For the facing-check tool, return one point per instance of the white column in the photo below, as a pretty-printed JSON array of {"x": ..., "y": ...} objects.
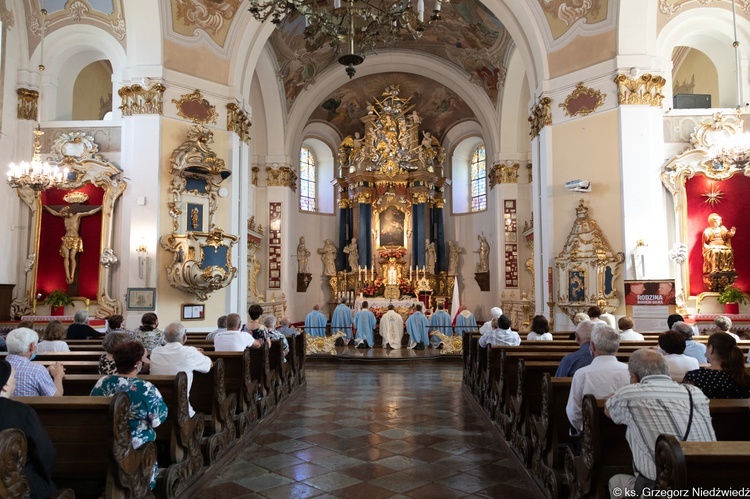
[
  {"x": 544, "y": 216},
  {"x": 239, "y": 162}
]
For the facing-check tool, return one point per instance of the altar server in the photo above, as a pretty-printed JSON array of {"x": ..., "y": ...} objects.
[
  {"x": 392, "y": 328},
  {"x": 364, "y": 322},
  {"x": 465, "y": 322},
  {"x": 342, "y": 321},
  {"x": 416, "y": 327},
  {"x": 440, "y": 321},
  {"x": 315, "y": 323}
]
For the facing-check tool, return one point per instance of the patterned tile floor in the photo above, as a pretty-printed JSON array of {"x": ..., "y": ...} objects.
[{"x": 375, "y": 431}]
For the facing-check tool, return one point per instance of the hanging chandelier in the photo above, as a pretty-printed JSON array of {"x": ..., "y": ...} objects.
[
  {"x": 357, "y": 25},
  {"x": 37, "y": 175}
]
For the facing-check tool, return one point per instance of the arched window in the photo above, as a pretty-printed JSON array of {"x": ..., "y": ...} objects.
[
  {"x": 307, "y": 179},
  {"x": 478, "y": 180}
]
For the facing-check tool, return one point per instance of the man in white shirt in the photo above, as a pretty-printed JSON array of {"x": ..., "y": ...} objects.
[
  {"x": 603, "y": 377},
  {"x": 626, "y": 330},
  {"x": 500, "y": 335},
  {"x": 175, "y": 357},
  {"x": 672, "y": 346},
  {"x": 495, "y": 312},
  {"x": 391, "y": 328},
  {"x": 234, "y": 340}
]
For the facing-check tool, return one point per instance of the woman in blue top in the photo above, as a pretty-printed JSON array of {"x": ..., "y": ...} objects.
[{"x": 147, "y": 407}]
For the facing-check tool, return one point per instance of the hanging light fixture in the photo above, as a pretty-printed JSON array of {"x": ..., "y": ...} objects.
[
  {"x": 36, "y": 174},
  {"x": 354, "y": 28}
]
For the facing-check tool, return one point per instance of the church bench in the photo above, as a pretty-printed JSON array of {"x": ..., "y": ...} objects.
[
  {"x": 180, "y": 433},
  {"x": 90, "y": 355},
  {"x": 260, "y": 374},
  {"x": 238, "y": 380},
  {"x": 94, "y": 446},
  {"x": 282, "y": 373},
  {"x": 684, "y": 465},
  {"x": 605, "y": 452},
  {"x": 550, "y": 436},
  {"x": 209, "y": 396},
  {"x": 75, "y": 366}
]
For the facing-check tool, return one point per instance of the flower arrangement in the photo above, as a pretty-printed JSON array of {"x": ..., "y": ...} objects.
[
  {"x": 405, "y": 287},
  {"x": 374, "y": 289},
  {"x": 386, "y": 254}
]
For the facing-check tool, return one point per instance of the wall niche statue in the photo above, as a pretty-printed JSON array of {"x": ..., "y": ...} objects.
[{"x": 201, "y": 252}]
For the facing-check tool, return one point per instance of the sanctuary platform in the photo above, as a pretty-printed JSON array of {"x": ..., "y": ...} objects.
[{"x": 383, "y": 355}]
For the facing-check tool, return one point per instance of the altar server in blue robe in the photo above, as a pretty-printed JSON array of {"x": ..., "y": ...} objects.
[
  {"x": 364, "y": 322},
  {"x": 440, "y": 321},
  {"x": 315, "y": 322},
  {"x": 416, "y": 327},
  {"x": 342, "y": 321},
  {"x": 465, "y": 322}
]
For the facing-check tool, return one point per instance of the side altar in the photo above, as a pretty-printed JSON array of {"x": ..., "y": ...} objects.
[{"x": 390, "y": 182}]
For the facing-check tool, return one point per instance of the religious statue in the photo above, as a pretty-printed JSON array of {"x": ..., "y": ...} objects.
[
  {"x": 353, "y": 251},
  {"x": 302, "y": 255},
  {"x": 718, "y": 255},
  {"x": 72, "y": 243},
  {"x": 328, "y": 255},
  {"x": 453, "y": 251},
  {"x": 430, "y": 257},
  {"x": 194, "y": 219},
  {"x": 484, "y": 254}
]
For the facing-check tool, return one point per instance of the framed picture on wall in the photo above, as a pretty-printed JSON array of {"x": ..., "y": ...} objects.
[
  {"x": 193, "y": 312},
  {"x": 141, "y": 299}
]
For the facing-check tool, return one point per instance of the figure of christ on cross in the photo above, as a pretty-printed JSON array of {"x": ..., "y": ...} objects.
[{"x": 72, "y": 243}]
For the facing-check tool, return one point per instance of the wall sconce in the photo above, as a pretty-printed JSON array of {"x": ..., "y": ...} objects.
[
  {"x": 144, "y": 263},
  {"x": 639, "y": 258}
]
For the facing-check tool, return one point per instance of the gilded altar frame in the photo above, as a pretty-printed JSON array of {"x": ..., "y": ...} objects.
[
  {"x": 78, "y": 152},
  {"x": 699, "y": 159}
]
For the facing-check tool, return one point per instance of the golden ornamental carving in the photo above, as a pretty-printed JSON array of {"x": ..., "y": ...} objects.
[
  {"x": 208, "y": 15},
  {"x": 363, "y": 197},
  {"x": 587, "y": 268},
  {"x": 140, "y": 100},
  {"x": 582, "y": 101},
  {"x": 238, "y": 122},
  {"x": 420, "y": 197},
  {"x": 391, "y": 144},
  {"x": 196, "y": 108},
  {"x": 530, "y": 172},
  {"x": 541, "y": 116},
  {"x": 439, "y": 203},
  {"x": 283, "y": 176},
  {"x": 27, "y": 103},
  {"x": 255, "y": 171},
  {"x": 344, "y": 203},
  {"x": 644, "y": 90},
  {"x": 501, "y": 173},
  {"x": 76, "y": 197},
  {"x": 253, "y": 228},
  {"x": 75, "y": 146}
]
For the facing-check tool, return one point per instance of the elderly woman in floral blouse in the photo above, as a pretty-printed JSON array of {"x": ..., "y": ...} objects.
[
  {"x": 148, "y": 333},
  {"x": 147, "y": 407}
]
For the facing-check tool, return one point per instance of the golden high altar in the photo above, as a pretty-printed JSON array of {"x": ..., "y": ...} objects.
[{"x": 391, "y": 185}]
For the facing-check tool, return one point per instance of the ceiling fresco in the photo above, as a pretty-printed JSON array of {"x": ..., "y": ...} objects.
[
  {"x": 212, "y": 16},
  {"x": 563, "y": 14},
  {"x": 438, "y": 107},
  {"x": 469, "y": 36}
]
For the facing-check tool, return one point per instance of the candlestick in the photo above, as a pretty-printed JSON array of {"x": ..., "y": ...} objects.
[{"x": 410, "y": 273}]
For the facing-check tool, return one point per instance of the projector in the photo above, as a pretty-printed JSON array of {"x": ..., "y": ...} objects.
[{"x": 578, "y": 186}]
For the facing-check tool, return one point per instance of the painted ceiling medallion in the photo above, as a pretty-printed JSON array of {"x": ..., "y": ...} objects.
[
  {"x": 196, "y": 108},
  {"x": 583, "y": 101},
  {"x": 714, "y": 196}
]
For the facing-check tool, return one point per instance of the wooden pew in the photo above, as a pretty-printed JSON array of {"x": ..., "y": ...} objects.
[
  {"x": 684, "y": 465},
  {"x": 209, "y": 396},
  {"x": 238, "y": 380},
  {"x": 94, "y": 445},
  {"x": 13, "y": 481},
  {"x": 260, "y": 372}
]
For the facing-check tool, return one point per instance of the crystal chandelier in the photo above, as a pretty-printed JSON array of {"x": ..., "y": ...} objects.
[
  {"x": 37, "y": 175},
  {"x": 359, "y": 25}
]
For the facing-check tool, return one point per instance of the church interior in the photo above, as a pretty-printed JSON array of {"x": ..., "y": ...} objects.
[{"x": 542, "y": 156}]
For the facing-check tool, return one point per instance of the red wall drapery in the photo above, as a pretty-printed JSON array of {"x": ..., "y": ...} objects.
[
  {"x": 733, "y": 209},
  {"x": 50, "y": 271}
]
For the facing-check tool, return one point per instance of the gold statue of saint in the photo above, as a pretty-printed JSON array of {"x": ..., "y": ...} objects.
[
  {"x": 194, "y": 218},
  {"x": 718, "y": 255}
]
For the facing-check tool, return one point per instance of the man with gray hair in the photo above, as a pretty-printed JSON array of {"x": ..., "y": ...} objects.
[
  {"x": 221, "y": 326},
  {"x": 603, "y": 377},
  {"x": 285, "y": 328},
  {"x": 723, "y": 325},
  {"x": 692, "y": 348},
  {"x": 581, "y": 357},
  {"x": 175, "y": 357},
  {"x": 80, "y": 329},
  {"x": 32, "y": 380},
  {"x": 652, "y": 405}
]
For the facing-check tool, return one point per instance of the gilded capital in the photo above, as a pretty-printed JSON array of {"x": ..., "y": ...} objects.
[
  {"x": 282, "y": 176},
  {"x": 644, "y": 90},
  {"x": 140, "y": 100},
  {"x": 501, "y": 173},
  {"x": 238, "y": 122},
  {"x": 541, "y": 116},
  {"x": 27, "y": 103},
  {"x": 255, "y": 171}
]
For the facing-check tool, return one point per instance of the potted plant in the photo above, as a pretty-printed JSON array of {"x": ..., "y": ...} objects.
[
  {"x": 732, "y": 297},
  {"x": 58, "y": 300}
]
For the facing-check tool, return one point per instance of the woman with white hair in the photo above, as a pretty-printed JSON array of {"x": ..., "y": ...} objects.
[
  {"x": 80, "y": 329},
  {"x": 723, "y": 325},
  {"x": 269, "y": 321},
  {"x": 33, "y": 380}
]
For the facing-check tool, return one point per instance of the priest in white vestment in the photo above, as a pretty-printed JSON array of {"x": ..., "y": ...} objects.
[{"x": 391, "y": 328}]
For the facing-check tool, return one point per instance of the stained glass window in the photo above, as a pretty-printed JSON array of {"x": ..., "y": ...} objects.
[
  {"x": 307, "y": 179},
  {"x": 478, "y": 180}
]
